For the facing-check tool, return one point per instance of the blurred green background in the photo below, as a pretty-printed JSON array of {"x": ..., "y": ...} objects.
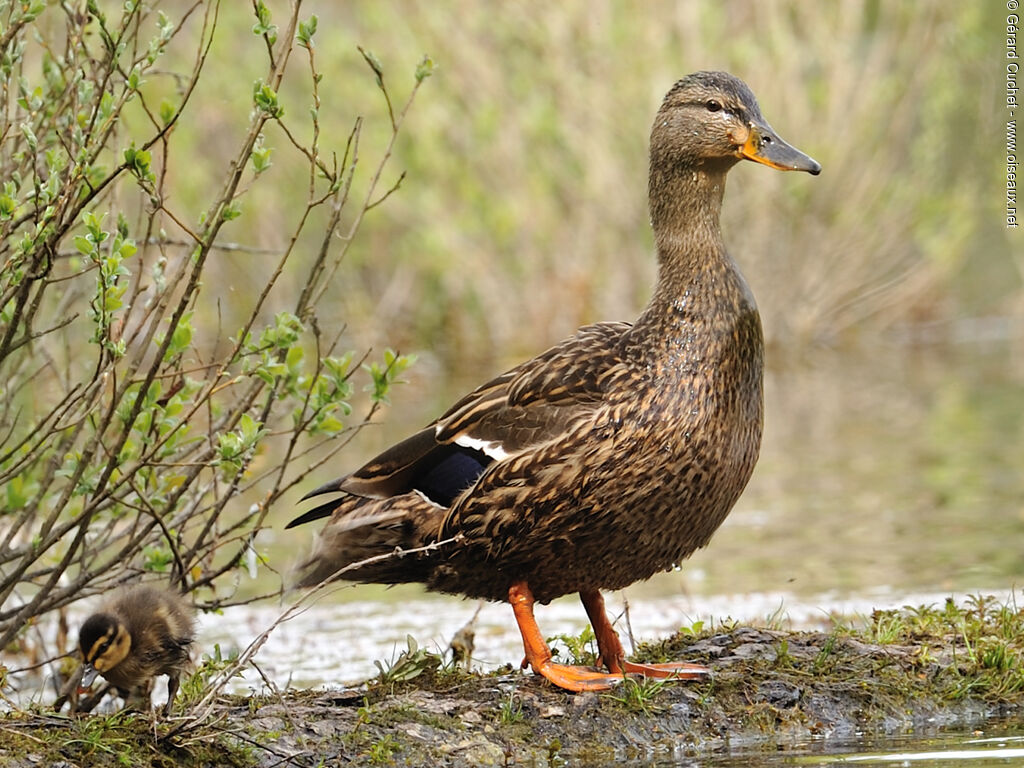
[
  {"x": 524, "y": 212},
  {"x": 890, "y": 290}
]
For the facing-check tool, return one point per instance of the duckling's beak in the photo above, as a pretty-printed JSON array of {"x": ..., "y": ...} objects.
[
  {"x": 763, "y": 145},
  {"x": 89, "y": 673}
]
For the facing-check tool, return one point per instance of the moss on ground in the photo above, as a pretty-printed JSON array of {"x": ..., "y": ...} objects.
[
  {"x": 122, "y": 739},
  {"x": 900, "y": 669}
]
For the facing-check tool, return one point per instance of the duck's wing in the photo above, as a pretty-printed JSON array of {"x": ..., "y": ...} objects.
[
  {"x": 533, "y": 402},
  {"x": 528, "y": 405}
]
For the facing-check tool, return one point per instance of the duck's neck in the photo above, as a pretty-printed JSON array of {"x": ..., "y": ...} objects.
[
  {"x": 685, "y": 208},
  {"x": 702, "y": 313}
]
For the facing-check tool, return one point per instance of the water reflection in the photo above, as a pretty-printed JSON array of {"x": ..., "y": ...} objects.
[
  {"x": 942, "y": 749},
  {"x": 946, "y": 750}
]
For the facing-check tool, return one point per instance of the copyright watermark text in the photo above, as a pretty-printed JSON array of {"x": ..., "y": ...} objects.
[{"x": 1013, "y": 106}]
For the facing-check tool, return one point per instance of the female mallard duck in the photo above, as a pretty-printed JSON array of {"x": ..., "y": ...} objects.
[
  {"x": 613, "y": 455},
  {"x": 139, "y": 634}
]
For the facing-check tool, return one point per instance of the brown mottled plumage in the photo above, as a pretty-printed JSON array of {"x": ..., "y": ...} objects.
[
  {"x": 611, "y": 456},
  {"x": 140, "y": 633}
]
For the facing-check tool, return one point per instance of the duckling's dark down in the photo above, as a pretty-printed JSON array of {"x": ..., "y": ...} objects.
[
  {"x": 139, "y": 634},
  {"x": 611, "y": 456}
]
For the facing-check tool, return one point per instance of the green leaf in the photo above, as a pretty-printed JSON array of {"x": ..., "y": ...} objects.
[
  {"x": 330, "y": 425},
  {"x": 229, "y": 446},
  {"x": 375, "y": 65},
  {"x": 260, "y": 156},
  {"x": 84, "y": 244},
  {"x": 424, "y": 69},
  {"x": 167, "y": 111},
  {"x": 263, "y": 25},
  {"x": 306, "y": 31},
  {"x": 137, "y": 161},
  {"x": 94, "y": 225},
  {"x": 30, "y": 136},
  {"x": 19, "y": 492},
  {"x": 383, "y": 376},
  {"x": 250, "y": 429},
  {"x": 164, "y": 25},
  {"x": 181, "y": 337},
  {"x": 156, "y": 558},
  {"x": 265, "y": 99},
  {"x": 232, "y": 211}
]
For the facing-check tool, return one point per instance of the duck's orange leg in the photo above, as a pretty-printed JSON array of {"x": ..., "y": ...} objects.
[
  {"x": 538, "y": 655},
  {"x": 612, "y": 655}
]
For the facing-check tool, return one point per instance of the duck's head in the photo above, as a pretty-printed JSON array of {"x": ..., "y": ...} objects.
[
  {"x": 712, "y": 120},
  {"x": 104, "y": 642}
]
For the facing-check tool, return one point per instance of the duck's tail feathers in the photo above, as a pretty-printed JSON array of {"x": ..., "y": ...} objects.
[
  {"x": 323, "y": 510},
  {"x": 371, "y": 543},
  {"x": 334, "y": 486}
]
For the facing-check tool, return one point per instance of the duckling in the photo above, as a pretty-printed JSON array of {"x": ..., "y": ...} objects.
[
  {"x": 140, "y": 633},
  {"x": 463, "y": 642}
]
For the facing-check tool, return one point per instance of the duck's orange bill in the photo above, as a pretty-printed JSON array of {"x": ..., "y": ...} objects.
[{"x": 763, "y": 146}]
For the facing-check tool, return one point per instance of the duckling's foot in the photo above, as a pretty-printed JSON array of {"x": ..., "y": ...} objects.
[
  {"x": 172, "y": 689},
  {"x": 538, "y": 655}
]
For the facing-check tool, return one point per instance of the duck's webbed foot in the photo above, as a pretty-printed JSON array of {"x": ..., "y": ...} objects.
[
  {"x": 677, "y": 670},
  {"x": 613, "y": 656},
  {"x": 538, "y": 655}
]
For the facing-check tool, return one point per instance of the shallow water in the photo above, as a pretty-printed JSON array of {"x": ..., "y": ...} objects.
[
  {"x": 997, "y": 747},
  {"x": 334, "y": 644}
]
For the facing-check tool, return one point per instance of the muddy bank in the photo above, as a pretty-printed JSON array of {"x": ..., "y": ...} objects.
[{"x": 769, "y": 688}]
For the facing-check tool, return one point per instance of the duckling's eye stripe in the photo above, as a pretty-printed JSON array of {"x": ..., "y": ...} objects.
[{"x": 97, "y": 650}]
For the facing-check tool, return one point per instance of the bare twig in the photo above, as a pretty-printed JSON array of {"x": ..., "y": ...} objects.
[
  {"x": 205, "y": 706},
  {"x": 132, "y": 422}
]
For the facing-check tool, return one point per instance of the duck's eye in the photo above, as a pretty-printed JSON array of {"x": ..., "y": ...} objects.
[{"x": 713, "y": 106}]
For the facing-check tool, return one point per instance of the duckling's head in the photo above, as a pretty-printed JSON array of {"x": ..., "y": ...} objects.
[
  {"x": 712, "y": 120},
  {"x": 104, "y": 642}
]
